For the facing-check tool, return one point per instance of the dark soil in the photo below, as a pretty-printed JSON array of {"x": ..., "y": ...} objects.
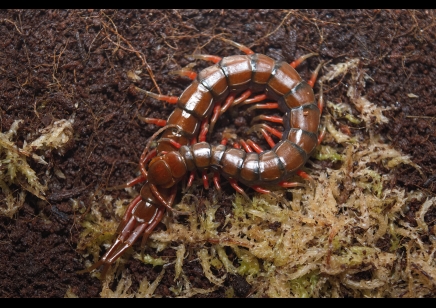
[{"x": 56, "y": 64}]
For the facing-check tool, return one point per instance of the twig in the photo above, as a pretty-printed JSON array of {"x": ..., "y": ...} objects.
[{"x": 139, "y": 54}]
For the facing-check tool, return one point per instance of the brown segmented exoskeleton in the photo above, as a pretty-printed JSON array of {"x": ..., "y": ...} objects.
[{"x": 182, "y": 147}]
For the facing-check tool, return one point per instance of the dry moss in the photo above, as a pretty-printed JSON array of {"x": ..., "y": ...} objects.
[
  {"x": 14, "y": 168},
  {"x": 327, "y": 240}
]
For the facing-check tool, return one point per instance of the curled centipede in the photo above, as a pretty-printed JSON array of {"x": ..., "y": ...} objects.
[{"x": 182, "y": 147}]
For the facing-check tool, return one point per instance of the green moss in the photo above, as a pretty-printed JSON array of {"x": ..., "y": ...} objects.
[
  {"x": 304, "y": 286},
  {"x": 326, "y": 152},
  {"x": 147, "y": 259}
]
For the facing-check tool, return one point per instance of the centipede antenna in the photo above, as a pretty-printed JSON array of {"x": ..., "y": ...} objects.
[
  {"x": 157, "y": 134},
  {"x": 170, "y": 141}
]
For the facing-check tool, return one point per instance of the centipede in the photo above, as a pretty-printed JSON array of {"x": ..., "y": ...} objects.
[{"x": 181, "y": 148}]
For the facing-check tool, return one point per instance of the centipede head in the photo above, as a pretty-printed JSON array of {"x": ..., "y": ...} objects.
[{"x": 167, "y": 169}]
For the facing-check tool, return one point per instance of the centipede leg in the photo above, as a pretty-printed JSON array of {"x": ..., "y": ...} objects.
[
  {"x": 321, "y": 135},
  {"x": 216, "y": 180},
  {"x": 267, "y": 118},
  {"x": 254, "y": 146},
  {"x": 215, "y": 116},
  {"x": 205, "y": 179},
  {"x": 245, "y": 146},
  {"x": 264, "y": 106},
  {"x": 203, "y": 130},
  {"x": 241, "y": 47},
  {"x": 321, "y": 100},
  {"x": 155, "y": 121},
  {"x": 211, "y": 58},
  {"x": 268, "y": 139},
  {"x": 229, "y": 101},
  {"x": 191, "y": 179},
  {"x": 166, "y": 98},
  {"x": 301, "y": 59},
  {"x": 242, "y": 97},
  {"x": 255, "y": 99},
  {"x": 185, "y": 72},
  {"x": 312, "y": 80},
  {"x": 260, "y": 189},
  {"x": 236, "y": 187}
]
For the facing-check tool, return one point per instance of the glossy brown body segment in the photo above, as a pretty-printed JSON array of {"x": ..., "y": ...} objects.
[
  {"x": 233, "y": 74},
  {"x": 174, "y": 157}
]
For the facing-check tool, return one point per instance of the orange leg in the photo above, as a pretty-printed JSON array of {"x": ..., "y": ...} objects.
[
  {"x": 254, "y": 146},
  {"x": 245, "y": 146},
  {"x": 184, "y": 72},
  {"x": 264, "y": 106},
  {"x": 215, "y": 115},
  {"x": 236, "y": 145},
  {"x": 216, "y": 180},
  {"x": 237, "y": 188},
  {"x": 205, "y": 180},
  {"x": 312, "y": 80},
  {"x": 304, "y": 175},
  {"x": 211, "y": 58},
  {"x": 321, "y": 135},
  {"x": 268, "y": 118},
  {"x": 242, "y": 98},
  {"x": 158, "y": 122},
  {"x": 255, "y": 99},
  {"x": 166, "y": 98},
  {"x": 241, "y": 47},
  {"x": 289, "y": 184},
  {"x": 268, "y": 138},
  {"x": 260, "y": 189},
  {"x": 302, "y": 59},
  {"x": 191, "y": 179},
  {"x": 203, "y": 131},
  {"x": 321, "y": 100},
  {"x": 229, "y": 101}
]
